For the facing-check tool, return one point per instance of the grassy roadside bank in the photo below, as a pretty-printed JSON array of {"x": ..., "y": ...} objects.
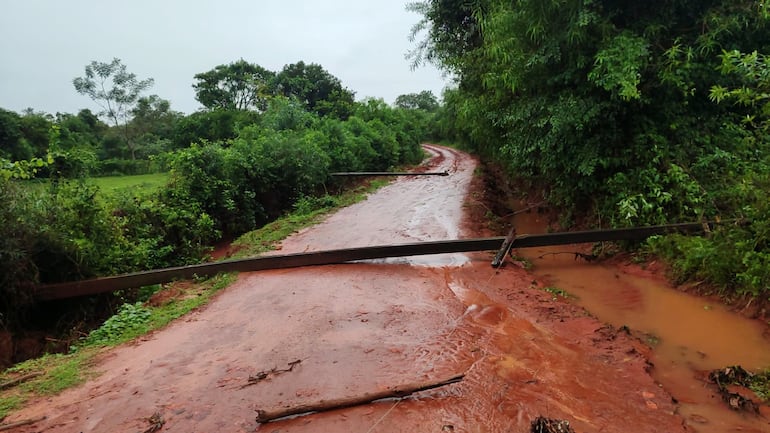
[{"x": 54, "y": 373}]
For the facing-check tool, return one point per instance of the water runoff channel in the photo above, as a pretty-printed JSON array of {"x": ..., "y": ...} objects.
[{"x": 690, "y": 335}]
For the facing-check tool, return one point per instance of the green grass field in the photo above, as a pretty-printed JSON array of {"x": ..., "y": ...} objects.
[{"x": 147, "y": 182}]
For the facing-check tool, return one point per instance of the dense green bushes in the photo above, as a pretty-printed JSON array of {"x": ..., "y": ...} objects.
[
  {"x": 251, "y": 179},
  {"x": 610, "y": 108},
  {"x": 66, "y": 229}
]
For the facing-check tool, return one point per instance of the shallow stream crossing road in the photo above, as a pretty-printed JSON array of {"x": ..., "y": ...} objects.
[{"x": 365, "y": 327}]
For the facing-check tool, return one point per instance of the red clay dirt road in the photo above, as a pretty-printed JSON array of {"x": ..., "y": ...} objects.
[{"x": 360, "y": 328}]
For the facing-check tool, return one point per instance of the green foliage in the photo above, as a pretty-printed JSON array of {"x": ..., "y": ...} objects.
[
  {"x": 607, "y": 107},
  {"x": 214, "y": 125},
  {"x": 617, "y": 66},
  {"x": 753, "y": 72},
  {"x": 760, "y": 384},
  {"x": 236, "y": 86},
  {"x": 12, "y": 145},
  {"x": 69, "y": 230},
  {"x": 424, "y": 100},
  {"x": 233, "y": 171},
  {"x": 287, "y": 114},
  {"x": 8, "y": 404},
  {"x": 557, "y": 292},
  {"x": 23, "y": 169},
  {"x": 144, "y": 182},
  {"x": 115, "y": 90},
  {"x": 152, "y": 125},
  {"x": 130, "y": 320},
  {"x": 307, "y": 205},
  {"x": 316, "y": 89},
  {"x": 254, "y": 177},
  {"x": 17, "y": 233},
  {"x": 257, "y": 176}
]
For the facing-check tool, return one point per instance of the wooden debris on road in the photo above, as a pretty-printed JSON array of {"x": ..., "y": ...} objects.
[
  {"x": 734, "y": 375},
  {"x": 548, "y": 425},
  {"x": 156, "y": 423},
  {"x": 4, "y": 427},
  {"x": 18, "y": 380},
  {"x": 262, "y": 375},
  {"x": 264, "y": 416},
  {"x": 388, "y": 173}
]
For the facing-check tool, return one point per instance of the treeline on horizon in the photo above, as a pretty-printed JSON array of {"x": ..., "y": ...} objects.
[{"x": 263, "y": 142}]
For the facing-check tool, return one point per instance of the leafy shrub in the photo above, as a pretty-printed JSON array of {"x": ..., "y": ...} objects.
[
  {"x": 129, "y": 321},
  {"x": 242, "y": 170},
  {"x": 306, "y": 205},
  {"x": 18, "y": 272},
  {"x": 164, "y": 230}
]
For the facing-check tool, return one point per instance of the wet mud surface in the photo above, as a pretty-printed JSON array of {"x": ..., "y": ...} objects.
[
  {"x": 364, "y": 327},
  {"x": 690, "y": 335}
]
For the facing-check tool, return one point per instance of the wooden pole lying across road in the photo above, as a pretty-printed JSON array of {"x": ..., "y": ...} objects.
[
  {"x": 385, "y": 173},
  {"x": 147, "y": 278}
]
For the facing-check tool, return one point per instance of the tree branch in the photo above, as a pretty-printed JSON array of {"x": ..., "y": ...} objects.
[{"x": 264, "y": 416}]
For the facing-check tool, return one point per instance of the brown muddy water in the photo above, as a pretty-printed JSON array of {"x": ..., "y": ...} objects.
[{"x": 689, "y": 334}]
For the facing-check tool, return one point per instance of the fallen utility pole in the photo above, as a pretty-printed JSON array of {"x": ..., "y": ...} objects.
[
  {"x": 386, "y": 173},
  {"x": 264, "y": 416},
  {"x": 147, "y": 278}
]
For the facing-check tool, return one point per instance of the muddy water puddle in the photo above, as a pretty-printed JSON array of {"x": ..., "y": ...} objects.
[{"x": 689, "y": 334}]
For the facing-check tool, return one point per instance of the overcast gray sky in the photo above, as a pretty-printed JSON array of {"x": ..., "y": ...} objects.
[{"x": 44, "y": 44}]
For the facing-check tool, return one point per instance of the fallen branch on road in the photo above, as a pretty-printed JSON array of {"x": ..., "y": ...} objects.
[
  {"x": 19, "y": 380},
  {"x": 586, "y": 257},
  {"x": 4, "y": 427},
  {"x": 264, "y": 416},
  {"x": 262, "y": 375}
]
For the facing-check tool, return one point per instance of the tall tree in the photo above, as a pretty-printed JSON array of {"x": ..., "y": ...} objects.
[
  {"x": 424, "y": 100},
  {"x": 320, "y": 91},
  {"x": 115, "y": 90},
  {"x": 12, "y": 144},
  {"x": 153, "y": 115},
  {"x": 153, "y": 123},
  {"x": 82, "y": 130},
  {"x": 36, "y": 128},
  {"x": 236, "y": 86}
]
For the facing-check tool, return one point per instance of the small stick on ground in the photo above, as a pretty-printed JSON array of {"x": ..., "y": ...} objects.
[
  {"x": 4, "y": 427},
  {"x": 19, "y": 380},
  {"x": 264, "y": 416},
  {"x": 586, "y": 257},
  {"x": 526, "y": 209},
  {"x": 262, "y": 375}
]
